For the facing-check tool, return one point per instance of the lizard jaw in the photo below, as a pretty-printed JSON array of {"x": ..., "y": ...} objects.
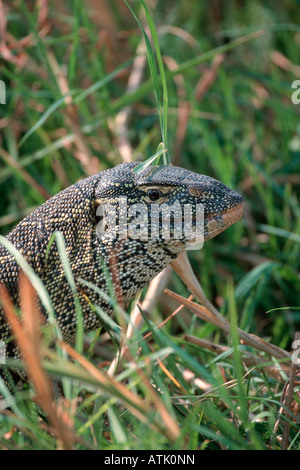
[{"x": 218, "y": 223}]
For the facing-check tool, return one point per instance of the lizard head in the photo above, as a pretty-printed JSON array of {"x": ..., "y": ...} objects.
[{"x": 166, "y": 203}]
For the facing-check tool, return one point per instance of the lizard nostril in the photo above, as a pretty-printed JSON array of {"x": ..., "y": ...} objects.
[{"x": 194, "y": 191}]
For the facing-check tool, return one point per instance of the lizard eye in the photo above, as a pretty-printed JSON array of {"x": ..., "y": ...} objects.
[{"x": 154, "y": 194}]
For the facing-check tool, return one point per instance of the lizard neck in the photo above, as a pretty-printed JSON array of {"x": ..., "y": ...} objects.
[{"x": 132, "y": 264}]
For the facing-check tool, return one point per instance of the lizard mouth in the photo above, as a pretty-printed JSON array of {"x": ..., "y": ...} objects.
[{"x": 215, "y": 224}]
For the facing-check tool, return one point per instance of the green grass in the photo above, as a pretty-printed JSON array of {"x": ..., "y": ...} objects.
[{"x": 243, "y": 129}]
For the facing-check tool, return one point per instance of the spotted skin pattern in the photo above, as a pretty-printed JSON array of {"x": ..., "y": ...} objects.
[{"x": 131, "y": 263}]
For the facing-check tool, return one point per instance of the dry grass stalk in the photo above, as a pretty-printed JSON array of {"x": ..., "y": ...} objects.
[
  {"x": 183, "y": 110},
  {"x": 123, "y": 117},
  {"x": 190, "y": 377},
  {"x": 10, "y": 161},
  {"x": 28, "y": 338},
  {"x": 209, "y": 313},
  {"x": 139, "y": 407},
  {"x": 82, "y": 153},
  {"x": 249, "y": 359},
  {"x": 208, "y": 77},
  {"x": 155, "y": 289},
  {"x": 109, "y": 384}
]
